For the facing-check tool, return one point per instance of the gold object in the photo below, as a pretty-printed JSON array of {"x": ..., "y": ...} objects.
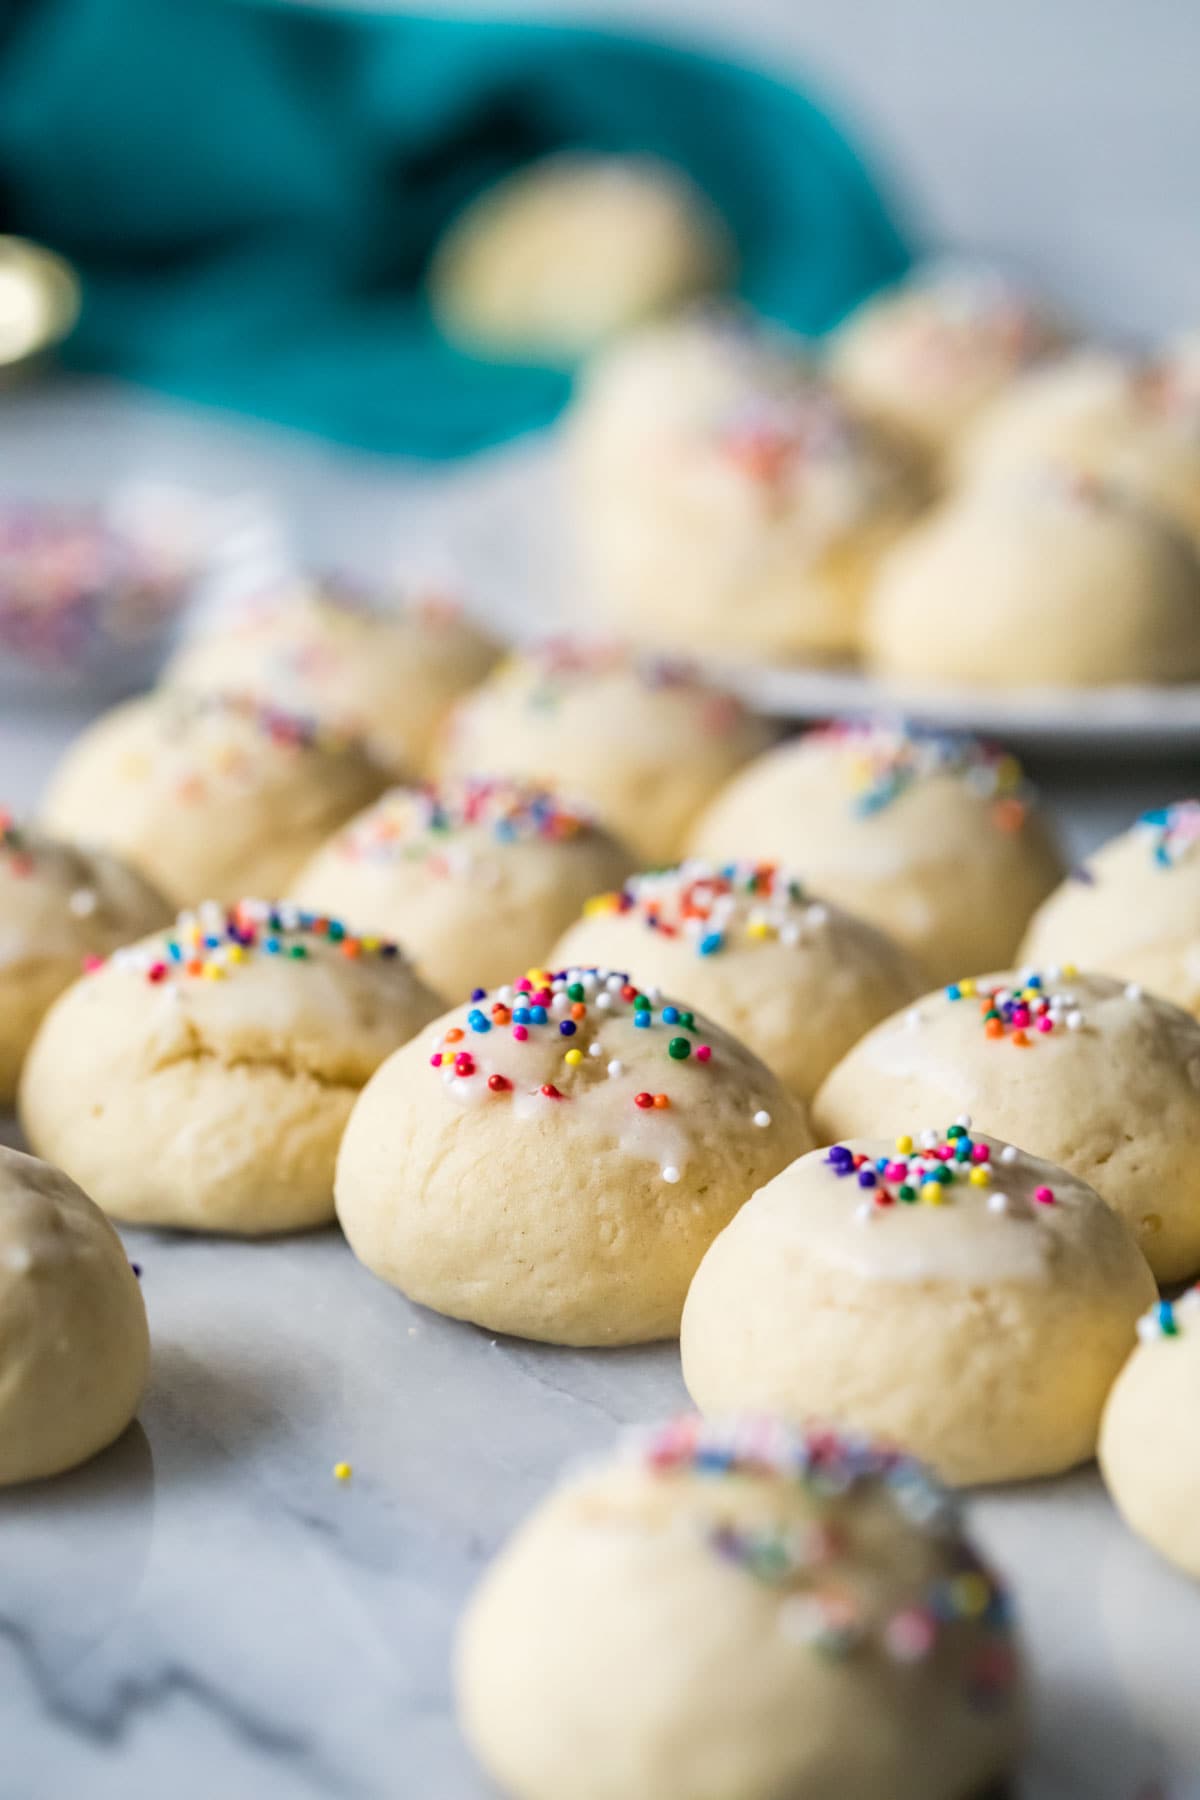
[{"x": 39, "y": 300}]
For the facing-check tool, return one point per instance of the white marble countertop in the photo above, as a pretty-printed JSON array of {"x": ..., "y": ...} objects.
[{"x": 204, "y": 1611}]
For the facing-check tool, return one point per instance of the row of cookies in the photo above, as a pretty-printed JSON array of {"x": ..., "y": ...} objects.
[{"x": 955, "y": 493}]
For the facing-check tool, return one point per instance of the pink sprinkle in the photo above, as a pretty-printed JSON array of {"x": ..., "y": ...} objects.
[
  {"x": 896, "y": 1171},
  {"x": 157, "y": 971},
  {"x": 436, "y": 1059},
  {"x": 543, "y": 997},
  {"x": 944, "y": 1152},
  {"x": 1020, "y": 1015},
  {"x": 1045, "y": 1023},
  {"x": 980, "y": 1153},
  {"x": 92, "y": 963},
  {"x": 703, "y": 1052},
  {"x": 520, "y": 1032},
  {"x": 1044, "y": 1196},
  {"x": 524, "y": 986}
]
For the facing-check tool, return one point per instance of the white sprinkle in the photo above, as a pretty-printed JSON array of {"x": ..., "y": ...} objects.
[
  {"x": 964, "y": 1119},
  {"x": 654, "y": 995},
  {"x": 616, "y": 1066},
  {"x": 762, "y": 1119},
  {"x": 670, "y": 1173},
  {"x": 614, "y": 984},
  {"x": 595, "y": 1048},
  {"x": 504, "y": 996},
  {"x": 83, "y": 903},
  {"x": 1074, "y": 1021},
  {"x": 1133, "y": 991},
  {"x": 560, "y": 1003},
  {"x": 912, "y": 1019},
  {"x": 929, "y": 1140},
  {"x": 866, "y": 1212},
  {"x": 604, "y": 1002},
  {"x": 998, "y": 1203},
  {"x": 1009, "y": 1153},
  {"x": 789, "y": 936},
  {"x": 817, "y": 915},
  {"x": 1148, "y": 1328}
]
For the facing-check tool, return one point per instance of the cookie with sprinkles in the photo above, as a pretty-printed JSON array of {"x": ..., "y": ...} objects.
[
  {"x": 474, "y": 877},
  {"x": 202, "y": 1078},
  {"x": 644, "y": 743},
  {"x": 1095, "y": 1074},
  {"x": 380, "y": 665},
  {"x": 209, "y": 794},
  {"x": 1133, "y": 908},
  {"x": 58, "y": 904},
  {"x": 553, "y": 1158},
  {"x": 798, "y": 980},
  {"x": 934, "y": 838},
  {"x": 799, "y": 1611},
  {"x": 889, "y": 1284},
  {"x": 1150, "y": 1437}
]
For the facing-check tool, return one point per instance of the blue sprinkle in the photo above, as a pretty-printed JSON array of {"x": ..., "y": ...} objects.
[
  {"x": 670, "y": 1015},
  {"x": 537, "y": 1015},
  {"x": 272, "y": 946},
  {"x": 477, "y": 1021},
  {"x": 520, "y": 1015},
  {"x": 954, "y": 992},
  {"x": 642, "y": 1019},
  {"x": 479, "y": 993},
  {"x": 866, "y": 1178},
  {"x": 567, "y": 1027},
  {"x": 711, "y": 944}
]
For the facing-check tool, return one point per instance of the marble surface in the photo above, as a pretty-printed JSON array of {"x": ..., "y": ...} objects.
[{"x": 204, "y": 1611}]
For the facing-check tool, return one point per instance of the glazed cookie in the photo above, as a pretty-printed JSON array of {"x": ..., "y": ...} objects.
[
  {"x": 72, "y": 1322},
  {"x": 58, "y": 905},
  {"x": 926, "y": 356},
  {"x": 209, "y": 795},
  {"x": 1071, "y": 412},
  {"x": 934, "y": 839},
  {"x": 572, "y": 249},
  {"x": 1080, "y": 1069},
  {"x": 369, "y": 665},
  {"x": 560, "y": 1169},
  {"x": 947, "y": 1291},
  {"x": 797, "y": 980},
  {"x": 1132, "y": 908},
  {"x": 735, "y": 1611},
  {"x": 645, "y": 744},
  {"x": 1150, "y": 1435},
  {"x": 474, "y": 878},
  {"x": 203, "y": 1079},
  {"x": 1032, "y": 558}
]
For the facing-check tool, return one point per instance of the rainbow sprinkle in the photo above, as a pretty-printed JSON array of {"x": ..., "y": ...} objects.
[
  {"x": 1028, "y": 1008},
  {"x": 1170, "y": 1318},
  {"x": 558, "y": 664},
  {"x": 289, "y": 730},
  {"x": 212, "y": 942},
  {"x": 778, "y": 437},
  {"x": 1173, "y": 832},
  {"x": 924, "y": 1170},
  {"x": 885, "y": 761},
  {"x": 713, "y": 907},
  {"x": 413, "y": 823}
]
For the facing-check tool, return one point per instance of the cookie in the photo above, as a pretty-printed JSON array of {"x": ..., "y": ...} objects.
[{"x": 1150, "y": 1439}]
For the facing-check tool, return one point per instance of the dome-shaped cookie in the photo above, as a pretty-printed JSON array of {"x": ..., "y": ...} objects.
[
  {"x": 733, "y": 1611},
  {"x": 1132, "y": 908},
  {"x": 944, "y": 1290},
  {"x": 1057, "y": 580},
  {"x": 571, "y": 249},
  {"x": 553, "y": 1159},
  {"x": 371, "y": 666},
  {"x": 1069, "y": 413},
  {"x": 927, "y": 356},
  {"x": 1150, "y": 1435},
  {"x": 72, "y": 1323},
  {"x": 209, "y": 795},
  {"x": 203, "y": 1078},
  {"x": 932, "y": 838},
  {"x": 645, "y": 744},
  {"x": 796, "y": 979},
  {"x": 1080, "y": 1069},
  {"x": 58, "y": 905},
  {"x": 475, "y": 878}
]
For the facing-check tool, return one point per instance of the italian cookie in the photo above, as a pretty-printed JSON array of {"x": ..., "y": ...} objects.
[
  {"x": 796, "y": 979},
  {"x": 202, "y": 1079},
  {"x": 934, "y": 839},
  {"x": 553, "y": 1159},
  {"x": 926, "y": 356},
  {"x": 1033, "y": 559},
  {"x": 572, "y": 249},
  {"x": 1132, "y": 908},
  {"x": 949, "y": 1292},
  {"x": 72, "y": 1322},
  {"x": 1080, "y": 1069},
  {"x": 368, "y": 665},
  {"x": 475, "y": 878},
  {"x": 645, "y": 744},
  {"x": 736, "y": 1611},
  {"x": 1150, "y": 1435},
  {"x": 209, "y": 796},
  {"x": 58, "y": 905}
]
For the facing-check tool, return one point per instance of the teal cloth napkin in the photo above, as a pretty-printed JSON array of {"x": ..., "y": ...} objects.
[{"x": 251, "y": 193}]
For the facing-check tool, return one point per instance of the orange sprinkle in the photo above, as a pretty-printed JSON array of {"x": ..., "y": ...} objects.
[
  {"x": 661, "y": 1101},
  {"x": 351, "y": 948},
  {"x": 995, "y": 1028},
  {"x": 1021, "y": 1039},
  {"x": 455, "y": 1034},
  {"x": 579, "y": 1010}
]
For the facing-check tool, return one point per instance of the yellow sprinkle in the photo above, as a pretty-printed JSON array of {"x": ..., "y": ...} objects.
[
  {"x": 599, "y": 903},
  {"x": 904, "y": 1145},
  {"x": 342, "y": 1471},
  {"x": 967, "y": 989},
  {"x": 538, "y": 976},
  {"x": 980, "y": 1177},
  {"x": 971, "y": 1594},
  {"x": 213, "y": 972},
  {"x": 1008, "y": 773},
  {"x": 1070, "y": 971},
  {"x": 573, "y": 1057},
  {"x": 370, "y": 945},
  {"x": 236, "y": 953},
  {"x": 933, "y": 1194},
  {"x": 758, "y": 928}
]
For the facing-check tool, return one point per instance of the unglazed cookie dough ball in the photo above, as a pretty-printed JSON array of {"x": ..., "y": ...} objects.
[
  {"x": 934, "y": 839},
  {"x": 58, "y": 906},
  {"x": 1055, "y": 581},
  {"x": 72, "y": 1323},
  {"x": 1080, "y": 1069},
  {"x": 553, "y": 1159},
  {"x": 475, "y": 878},
  {"x": 1132, "y": 908},
  {"x": 797, "y": 980},
  {"x": 733, "y": 1611},
  {"x": 942, "y": 1289},
  {"x": 209, "y": 795},
  {"x": 1150, "y": 1436},
  {"x": 644, "y": 744},
  {"x": 203, "y": 1079},
  {"x": 571, "y": 249},
  {"x": 371, "y": 666},
  {"x": 926, "y": 357}
]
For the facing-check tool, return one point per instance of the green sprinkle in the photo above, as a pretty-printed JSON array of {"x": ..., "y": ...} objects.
[{"x": 679, "y": 1048}]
